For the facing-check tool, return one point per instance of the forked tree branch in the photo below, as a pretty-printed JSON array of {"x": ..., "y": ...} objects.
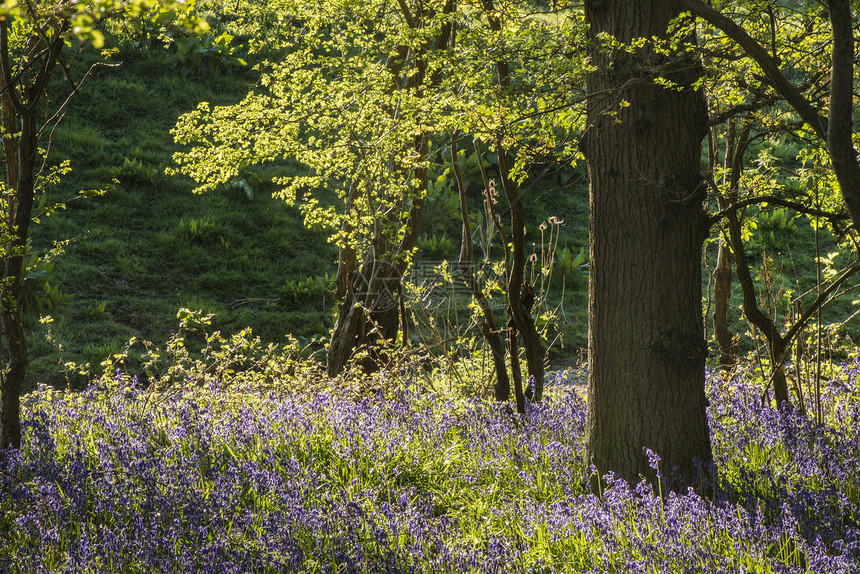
[
  {"x": 765, "y": 61},
  {"x": 837, "y": 131}
]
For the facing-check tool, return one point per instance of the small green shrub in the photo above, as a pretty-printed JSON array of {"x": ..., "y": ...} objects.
[
  {"x": 135, "y": 171},
  {"x": 299, "y": 291},
  {"x": 200, "y": 231},
  {"x": 152, "y": 28},
  {"x": 205, "y": 55},
  {"x": 435, "y": 246},
  {"x": 97, "y": 309}
]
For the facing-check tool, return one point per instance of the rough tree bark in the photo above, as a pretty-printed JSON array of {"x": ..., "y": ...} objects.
[{"x": 646, "y": 349}]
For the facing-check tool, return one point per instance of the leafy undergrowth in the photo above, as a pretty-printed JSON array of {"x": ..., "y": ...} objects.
[{"x": 115, "y": 479}]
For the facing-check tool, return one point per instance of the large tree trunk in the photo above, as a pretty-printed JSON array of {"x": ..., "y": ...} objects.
[{"x": 646, "y": 350}]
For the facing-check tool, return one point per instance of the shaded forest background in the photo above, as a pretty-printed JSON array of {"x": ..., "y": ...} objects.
[{"x": 119, "y": 265}]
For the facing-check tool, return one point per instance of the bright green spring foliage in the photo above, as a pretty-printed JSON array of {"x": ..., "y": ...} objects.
[
  {"x": 351, "y": 89},
  {"x": 797, "y": 36},
  {"x": 84, "y": 17},
  {"x": 334, "y": 102}
]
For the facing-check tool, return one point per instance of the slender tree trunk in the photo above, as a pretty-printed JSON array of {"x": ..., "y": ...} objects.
[
  {"x": 776, "y": 343},
  {"x": 778, "y": 356},
  {"x": 13, "y": 377},
  {"x": 521, "y": 294},
  {"x": 20, "y": 205},
  {"x": 346, "y": 335},
  {"x": 518, "y": 291},
  {"x": 722, "y": 294},
  {"x": 489, "y": 326},
  {"x": 21, "y": 93},
  {"x": 346, "y": 260},
  {"x": 371, "y": 307},
  {"x": 646, "y": 350},
  {"x": 736, "y": 146}
]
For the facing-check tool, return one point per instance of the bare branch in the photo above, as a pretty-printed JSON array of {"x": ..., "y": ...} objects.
[
  {"x": 75, "y": 89},
  {"x": 822, "y": 298},
  {"x": 798, "y": 207}
]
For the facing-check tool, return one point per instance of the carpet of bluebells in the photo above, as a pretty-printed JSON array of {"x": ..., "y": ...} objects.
[{"x": 118, "y": 480}]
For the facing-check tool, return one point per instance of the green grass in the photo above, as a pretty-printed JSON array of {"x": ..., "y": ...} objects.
[{"x": 149, "y": 246}]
